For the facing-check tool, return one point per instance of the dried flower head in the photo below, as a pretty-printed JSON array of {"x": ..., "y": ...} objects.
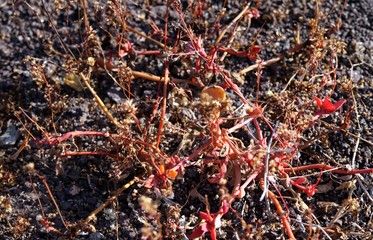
[{"x": 129, "y": 107}]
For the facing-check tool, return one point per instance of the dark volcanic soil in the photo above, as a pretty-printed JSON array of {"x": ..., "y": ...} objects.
[{"x": 79, "y": 184}]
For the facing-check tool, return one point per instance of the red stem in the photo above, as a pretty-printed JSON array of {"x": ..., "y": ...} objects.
[
  {"x": 57, "y": 140},
  {"x": 148, "y": 52},
  {"x": 280, "y": 212},
  {"x": 284, "y": 216},
  {"x": 164, "y": 105},
  {"x": 69, "y": 154},
  {"x": 258, "y": 130},
  {"x": 328, "y": 167}
]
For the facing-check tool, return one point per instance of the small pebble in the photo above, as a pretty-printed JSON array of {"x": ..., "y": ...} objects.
[{"x": 10, "y": 136}]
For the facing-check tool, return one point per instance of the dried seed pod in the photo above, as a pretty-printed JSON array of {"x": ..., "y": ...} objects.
[
  {"x": 213, "y": 100},
  {"x": 213, "y": 93}
]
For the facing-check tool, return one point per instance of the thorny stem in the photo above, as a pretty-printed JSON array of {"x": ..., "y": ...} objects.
[
  {"x": 240, "y": 125},
  {"x": 247, "y": 182},
  {"x": 198, "y": 151},
  {"x": 235, "y": 88},
  {"x": 258, "y": 130},
  {"x": 57, "y": 140},
  {"x": 237, "y": 181},
  {"x": 148, "y": 52}
]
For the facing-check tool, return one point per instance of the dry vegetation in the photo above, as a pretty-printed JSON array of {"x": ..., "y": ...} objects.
[{"x": 216, "y": 127}]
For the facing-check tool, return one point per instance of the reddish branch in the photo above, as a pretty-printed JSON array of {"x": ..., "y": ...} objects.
[
  {"x": 283, "y": 215},
  {"x": 329, "y": 168},
  {"x": 56, "y": 140}
]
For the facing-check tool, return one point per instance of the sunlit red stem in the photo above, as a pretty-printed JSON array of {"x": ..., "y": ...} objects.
[
  {"x": 164, "y": 104},
  {"x": 69, "y": 154},
  {"x": 328, "y": 167},
  {"x": 235, "y": 88},
  {"x": 258, "y": 130},
  {"x": 148, "y": 52},
  {"x": 280, "y": 212}
]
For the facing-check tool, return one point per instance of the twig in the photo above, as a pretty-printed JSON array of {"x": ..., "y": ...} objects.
[
  {"x": 23, "y": 145},
  {"x": 164, "y": 105},
  {"x": 290, "y": 80},
  {"x": 231, "y": 23},
  {"x": 151, "y": 77},
  {"x": 266, "y": 164},
  {"x": 86, "y": 21},
  {"x": 358, "y": 177},
  {"x": 343, "y": 130},
  {"x": 42, "y": 211},
  {"x": 111, "y": 199},
  {"x": 297, "y": 48},
  {"x": 165, "y": 85},
  {"x": 317, "y": 226},
  {"x": 51, "y": 22},
  {"x": 44, "y": 180},
  {"x": 144, "y": 36},
  {"x": 99, "y": 101}
]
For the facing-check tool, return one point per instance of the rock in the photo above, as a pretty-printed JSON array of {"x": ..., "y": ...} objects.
[
  {"x": 115, "y": 94},
  {"x": 96, "y": 236},
  {"x": 10, "y": 136}
]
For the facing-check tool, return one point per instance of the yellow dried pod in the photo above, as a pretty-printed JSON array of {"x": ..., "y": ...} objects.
[
  {"x": 216, "y": 93},
  {"x": 213, "y": 100}
]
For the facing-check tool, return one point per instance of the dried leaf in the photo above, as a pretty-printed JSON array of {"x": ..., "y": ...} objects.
[{"x": 72, "y": 80}]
